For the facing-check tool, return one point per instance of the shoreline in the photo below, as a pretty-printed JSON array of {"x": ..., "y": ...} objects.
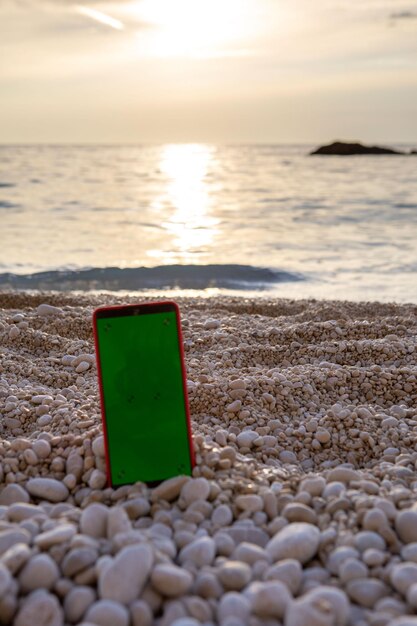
[{"x": 304, "y": 418}]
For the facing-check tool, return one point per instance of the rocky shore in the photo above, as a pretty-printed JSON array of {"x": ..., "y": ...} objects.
[{"x": 302, "y": 507}]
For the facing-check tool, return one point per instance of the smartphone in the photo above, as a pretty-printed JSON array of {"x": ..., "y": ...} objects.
[{"x": 143, "y": 392}]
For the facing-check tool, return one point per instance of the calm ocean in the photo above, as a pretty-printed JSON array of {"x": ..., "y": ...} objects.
[{"x": 260, "y": 220}]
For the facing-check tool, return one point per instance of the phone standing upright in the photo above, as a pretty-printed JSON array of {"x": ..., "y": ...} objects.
[{"x": 143, "y": 392}]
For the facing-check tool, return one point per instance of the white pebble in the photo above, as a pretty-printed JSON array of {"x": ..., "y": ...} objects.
[
  {"x": 268, "y": 599},
  {"x": 123, "y": 580},
  {"x": 234, "y": 575},
  {"x": 57, "y": 535},
  {"x": 406, "y": 525},
  {"x": 403, "y": 576},
  {"x": 48, "y": 310},
  {"x": 171, "y": 580},
  {"x": 288, "y": 571},
  {"x": 195, "y": 489},
  {"x": 222, "y": 515},
  {"x": 98, "y": 446},
  {"x": 97, "y": 480},
  {"x": 82, "y": 367},
  {"x": 40, "y": 572},
  {"x": 366, "y": 591},
  {"x": 5, "y": 579},
  {"x": 233, "y": 604},
  {"x": 200, "y": 552},
  {"x": 40, "y": 608},
  {"x": 77, "y": 601},
  {"x": 107, "y": 613},
  {"x": 93, "y": 520},
  {"x": 47, "y": 489},
  {"x": 296, "y": 541}
]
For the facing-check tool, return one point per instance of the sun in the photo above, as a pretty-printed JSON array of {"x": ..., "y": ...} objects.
[{"x": 192, "y": 27}]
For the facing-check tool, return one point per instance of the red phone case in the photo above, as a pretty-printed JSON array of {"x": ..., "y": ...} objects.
[{"x": 184, "y": 375}]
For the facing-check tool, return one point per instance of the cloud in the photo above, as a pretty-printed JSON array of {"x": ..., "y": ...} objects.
[{"x": 404, "y": 15}]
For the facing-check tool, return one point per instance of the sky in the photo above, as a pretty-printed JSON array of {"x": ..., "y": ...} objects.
[{"x": 216, "y": 71}]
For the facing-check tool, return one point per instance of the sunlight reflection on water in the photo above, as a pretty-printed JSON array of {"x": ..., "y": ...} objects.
[{"x": 187, "y": 198}]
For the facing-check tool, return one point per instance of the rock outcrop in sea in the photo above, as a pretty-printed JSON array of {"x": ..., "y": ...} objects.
[{"x": 346, "y": 148}]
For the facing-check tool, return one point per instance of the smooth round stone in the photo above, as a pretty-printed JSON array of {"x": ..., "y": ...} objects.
[
  {"x": 342, "y": 475},
  {"x": 412, "y": 595},
  {"x": 313, "y": 485},
  {"x": 336, "y": 599},
  {"x": 391, "y": 606},
  {"x": 222, "y": 515},
  {"x": 15, "y": 557},
  {"x": 41, "y": 448},
  {"x": 369, "y": 539},
  {"x": 117, "y": 522},
  {"x": 186, "y": 621},
  {"x": 406, "y": 525},
  {"x": 40, "y": 572},
  {"x": 199, "y": 552},
  {"x": 107, "y": 613},
  {"x": 333, "y": 490},
  {"x": 374, "y": 558},
  {"x": 77, "y": 560},
  {"x": 340, "y": 554},
  {"x": 351, "y": 569},
  {"x": 246, "y": 438},
  {"x": 250, "y": 503},
  {"x": 286, "y": 456},
  {"x": 250, "y": 553},
  {"x": 195, "y": 489},
  {"x": 308, "y": 611},
  {"x": 124, "y": 579},
  {"x": 97, "y": 480},
  {"x": 98, "y": 446},
  {"x": 40, "y": 608},
  {"x": 297, "y": 512},
  {"x": 374, "y": 519},
  {"x": 13, "y": 493},
  {"x": 403, "y": 576},
  {"x": 141, "y": 613},
  {"x": 406, "y": 620},
  {"x": 233, "y": 604},
  {"x": 47, "y": 489},
  {"x": 75, "y": 464},
  {"x": 409, "y": 552},
  {"x": 234, "y": 407},
  {"x": 211, "y": 323},
  {"x": 207, "y": 586},
  {"x": 47, "y": 310},
  {"x": 366, "y": 591},
  {"x": 268, "y": 599},
  {"x": 296, "y": 541},
  {"x": 82, "y": 367},
  {"x": 234, "y": 575},
  {"x": 137, "y": 507},
  {"x": 9, "y": 538},
  {"x": 169, "y": 489},
  {"x": 93, "y": 520},
  {"x": 171, "y": 580},
  {"x": 287, "y": 571},
  {"x": 5, "y": 579},
  {"x": 57, "y": 535},
  {"x": 76, "y": 603}
]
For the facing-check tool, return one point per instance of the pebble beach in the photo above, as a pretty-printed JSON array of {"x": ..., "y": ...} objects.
[{"x": 301, "y": 510}]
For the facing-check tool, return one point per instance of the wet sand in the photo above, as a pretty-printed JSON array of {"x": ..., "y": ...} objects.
[{"x": 300, "y": 510}]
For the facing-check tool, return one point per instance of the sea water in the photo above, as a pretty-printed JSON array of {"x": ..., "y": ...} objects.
[{"x": 265, "y": 220}]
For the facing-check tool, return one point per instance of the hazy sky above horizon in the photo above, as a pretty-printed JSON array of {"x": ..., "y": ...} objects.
[{"x": 208, "y": 70}]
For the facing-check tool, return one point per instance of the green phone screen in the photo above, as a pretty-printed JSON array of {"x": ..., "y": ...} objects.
[{"x": 144, "y": 404}]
